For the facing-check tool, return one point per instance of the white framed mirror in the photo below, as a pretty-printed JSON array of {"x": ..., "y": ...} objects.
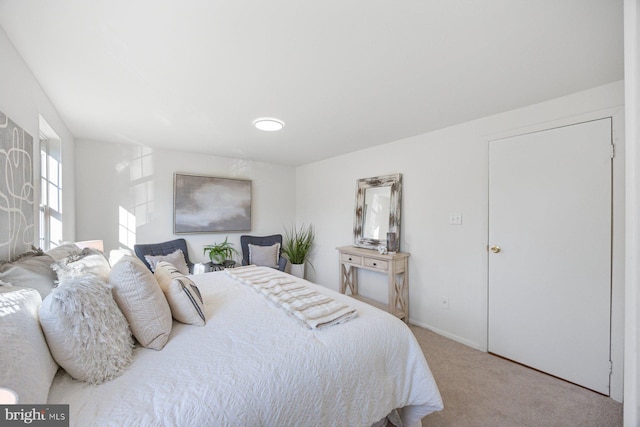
[{"x": 377, "y": 211}]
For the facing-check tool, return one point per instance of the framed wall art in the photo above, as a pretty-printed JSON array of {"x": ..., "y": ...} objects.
[
  {"x": 207, "y": 204},
  {"x": 17, "y": 192}
]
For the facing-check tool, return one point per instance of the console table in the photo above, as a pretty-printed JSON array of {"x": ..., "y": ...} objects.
[{"x": 394, "y": 265}]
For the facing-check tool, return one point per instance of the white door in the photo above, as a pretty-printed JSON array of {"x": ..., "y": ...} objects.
[{"x": 550, "y": 251}]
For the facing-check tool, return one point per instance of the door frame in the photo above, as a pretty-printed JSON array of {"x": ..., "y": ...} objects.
[{"x": 618, "y": 234}]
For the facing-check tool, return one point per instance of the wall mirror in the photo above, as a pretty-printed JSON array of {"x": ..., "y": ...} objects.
[{"x": 377, "y": 211}]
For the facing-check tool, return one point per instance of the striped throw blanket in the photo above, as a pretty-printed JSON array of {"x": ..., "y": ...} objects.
[{"x": 314, "y": 309}]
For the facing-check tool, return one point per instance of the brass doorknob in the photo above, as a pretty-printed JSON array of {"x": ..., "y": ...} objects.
[{"x": 495, "y": 249}]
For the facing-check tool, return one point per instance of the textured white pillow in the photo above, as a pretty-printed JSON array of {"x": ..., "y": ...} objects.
[
  {"x": 82, "y": 262},
  {"x": 176, "y": 258},
  {"x": 87, "y": 334},
  {"x": 26, "y": 366},
  {"x": 183, "y": 295},
  {"x": 141, "y": 300},
  {"x": 267, "y": 256}
]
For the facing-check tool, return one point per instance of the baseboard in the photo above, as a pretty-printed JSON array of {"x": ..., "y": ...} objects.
[{"x": 448, "y": 335}]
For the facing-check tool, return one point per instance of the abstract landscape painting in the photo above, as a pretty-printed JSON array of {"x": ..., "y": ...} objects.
[
  {"x": 205, "y": 204},
  {"x": 17, "y": 193}
]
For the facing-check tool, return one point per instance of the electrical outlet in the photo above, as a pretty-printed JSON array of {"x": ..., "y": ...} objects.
[
  {"x": 444, "y": 303},
  {"x": 455, "y": 218}
]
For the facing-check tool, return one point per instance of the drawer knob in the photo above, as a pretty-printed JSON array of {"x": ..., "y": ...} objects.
[
  {"x": 374, "y": 264},
  {"x": 349, "y": 258}
]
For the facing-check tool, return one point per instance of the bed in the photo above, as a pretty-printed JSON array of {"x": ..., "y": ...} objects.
[{"x": 253, "y": 364}]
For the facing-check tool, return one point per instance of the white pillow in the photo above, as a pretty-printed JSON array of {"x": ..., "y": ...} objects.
[
  {"x": 26, "y": 366},
  {"x": 82, "y": 262},
  {"x": 176, "y": 258},
  {"x": 264, "y": 255},
  {"x": 142, "y": 302},
  {"x": 183, "y": 295},
  {"x": 87, "y": 334}
]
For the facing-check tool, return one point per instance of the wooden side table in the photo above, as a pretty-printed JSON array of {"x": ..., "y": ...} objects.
[{"x": 394, "y": 265}]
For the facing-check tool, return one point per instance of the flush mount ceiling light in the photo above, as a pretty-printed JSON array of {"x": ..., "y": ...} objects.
[{"x": 268, "y": 124}]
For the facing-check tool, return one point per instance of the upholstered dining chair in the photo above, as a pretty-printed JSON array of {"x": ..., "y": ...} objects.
[
  {"x": 162, "y": 248},
  {"x": 266, "y": 244}
]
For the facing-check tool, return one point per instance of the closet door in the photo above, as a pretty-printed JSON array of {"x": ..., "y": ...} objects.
[{"x": 550, "y": 251}]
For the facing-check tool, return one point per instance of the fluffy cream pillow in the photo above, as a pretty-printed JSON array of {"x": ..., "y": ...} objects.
[
  {"x": 141, "y": 300},
  {"x": 26, "y": 366},
  {"x": 267, "y": 256},
  {"x": 176, "y": 258},
  {"x": 183, "y": 295},
  {"x": 31, "y": 269},
  {"x": 87, "y": 334}
]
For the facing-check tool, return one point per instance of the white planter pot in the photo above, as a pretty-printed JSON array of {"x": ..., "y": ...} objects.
[{"x": 297, "y": 270}]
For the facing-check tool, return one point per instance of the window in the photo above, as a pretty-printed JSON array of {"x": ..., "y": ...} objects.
[{"x": 50, "y": 188}]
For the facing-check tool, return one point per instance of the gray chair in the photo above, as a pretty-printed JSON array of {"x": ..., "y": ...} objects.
[
  {"x": 261, "y": 241},
  {"x": 163, "y": 248}
]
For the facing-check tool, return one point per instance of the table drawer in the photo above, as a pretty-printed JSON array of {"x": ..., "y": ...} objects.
[
  {"x": 376, "y": 263},
  {"x": 352, "y": 259}
]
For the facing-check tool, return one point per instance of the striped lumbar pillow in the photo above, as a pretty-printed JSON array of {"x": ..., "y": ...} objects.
[{"x": 182, "y": 294}]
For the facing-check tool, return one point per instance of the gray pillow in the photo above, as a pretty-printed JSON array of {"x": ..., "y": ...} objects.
[
  {"x": 63, "y": 251},
  {"x": 30, "y": 270},
  {"x": 267, "y": 256},
  {"x": 176, "y": 258}
]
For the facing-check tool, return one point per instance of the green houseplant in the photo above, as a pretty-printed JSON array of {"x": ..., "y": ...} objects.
[
  {"x": 297, "y": 247},
  {"x": 220, "y": 253}
]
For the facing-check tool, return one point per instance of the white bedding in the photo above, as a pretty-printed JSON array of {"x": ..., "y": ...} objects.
[{"x": 254, "y": 365}]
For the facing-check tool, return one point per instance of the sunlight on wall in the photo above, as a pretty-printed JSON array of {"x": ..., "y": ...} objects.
[
  {"x": 136, "y": 208},
  {"x": 141, "y": 179},
  {"x": 126, "y": 228}
]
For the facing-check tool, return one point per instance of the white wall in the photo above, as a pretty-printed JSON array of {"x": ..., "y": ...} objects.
[
  {"x": 23, "y": 101},
  {"x": 443, "y": 172},
  {"x": 140, "y": 180},
  {"x": 632, "y": 288}
]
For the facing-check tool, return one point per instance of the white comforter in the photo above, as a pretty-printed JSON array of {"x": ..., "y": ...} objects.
[{"x": 254, "y": 365}]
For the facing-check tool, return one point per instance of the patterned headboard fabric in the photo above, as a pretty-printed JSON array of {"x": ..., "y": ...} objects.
[{"x": 17, "y": 192}]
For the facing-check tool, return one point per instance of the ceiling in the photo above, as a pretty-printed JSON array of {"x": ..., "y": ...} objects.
[{"x": 193, "y": 75}]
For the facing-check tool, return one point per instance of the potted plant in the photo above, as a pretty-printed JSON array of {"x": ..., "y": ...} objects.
[
  {"x": 297, "y": 248},
  {"x": 221, "y": 254}
]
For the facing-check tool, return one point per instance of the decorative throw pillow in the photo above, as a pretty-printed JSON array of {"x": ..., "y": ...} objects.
[
  {"x": 26, "y": 366},
  {"x": 87, "y": 334},
  {"x": 176, "y": 258},
  {"x": 182, "y": 294},
  {"x": 267, "y": 256},
  {"x": 82, "y": 262},
  {"x": 32, "y": 270},
  {"x": 63, "y": 251},
  {"x": 142, "y": 301}
]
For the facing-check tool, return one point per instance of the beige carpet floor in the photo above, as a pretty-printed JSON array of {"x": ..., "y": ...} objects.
[{"x": 483, "y": 390}]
